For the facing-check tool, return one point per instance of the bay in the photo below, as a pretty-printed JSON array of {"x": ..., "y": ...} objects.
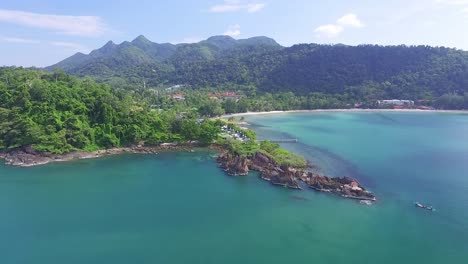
[{"x": 181, "y": 208}]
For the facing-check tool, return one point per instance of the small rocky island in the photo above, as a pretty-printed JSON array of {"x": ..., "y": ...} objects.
[{"x": 288, "y": 176}]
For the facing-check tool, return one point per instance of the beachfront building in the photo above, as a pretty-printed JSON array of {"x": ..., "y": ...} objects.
[{"x": 396, "y": 102}]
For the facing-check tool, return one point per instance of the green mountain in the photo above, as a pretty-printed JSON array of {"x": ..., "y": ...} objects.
[
  {"x": 364, "y": 71},
  {"x": 157, "y": 52},
  {"x": 143, "y": 51},
  {"x": 132, "y": 62}
]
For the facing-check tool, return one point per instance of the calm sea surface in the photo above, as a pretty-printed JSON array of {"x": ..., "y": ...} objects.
[{"x": 180, "y": 208}]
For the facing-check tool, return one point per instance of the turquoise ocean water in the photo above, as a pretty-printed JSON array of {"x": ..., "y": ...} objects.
[{"x": 180, "y": 208}]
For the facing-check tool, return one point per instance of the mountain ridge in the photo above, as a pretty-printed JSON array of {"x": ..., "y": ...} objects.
[
  {"x": 365, "y": 71},
  {"x": 159, "y": 51}
]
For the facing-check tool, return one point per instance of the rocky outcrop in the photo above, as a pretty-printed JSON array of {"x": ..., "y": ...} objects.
[
  {"x": 346, "y": 187},
  {"x": 287, "y": 176},
  {"x": 29, "y": 157},
  {"x": 269, "y": 170},
  {"x": 234, "y": 165},
  {"x": 273, "y": 172}
]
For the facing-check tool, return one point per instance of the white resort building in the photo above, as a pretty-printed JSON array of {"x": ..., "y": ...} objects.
[{"x": 396, "y": 102}]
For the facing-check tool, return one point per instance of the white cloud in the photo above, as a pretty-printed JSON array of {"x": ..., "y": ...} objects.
[
  {"x": 329, "y": 31},
  {"x": 350, "y": 20},
  {"x": 452, "y": 2},
  {"x": 19, "y": 40},
  {"x": 463, "y": 4},
  {"x": 252, "y": 8},
  {"x": 233, "y": 31},
  {"x": 334, "y": 30},
  {"x": 236, "y": 5},
  {"x": 71, "y": 25},
  {"x": 69, "y": 45}
]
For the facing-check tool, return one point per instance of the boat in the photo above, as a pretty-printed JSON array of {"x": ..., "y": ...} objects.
[{"x": 420, "y": 205}]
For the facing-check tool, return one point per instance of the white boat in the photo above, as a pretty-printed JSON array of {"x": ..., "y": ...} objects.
[{"x": 420, "y": 205}]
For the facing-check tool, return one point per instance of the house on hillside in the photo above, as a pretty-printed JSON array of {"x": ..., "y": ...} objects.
[
  {"x": 231, "y": 95},
  {"x": 178, "y": 97},
  {"x": 175, "y": 87},
  {"x": 224, "y": 96}
]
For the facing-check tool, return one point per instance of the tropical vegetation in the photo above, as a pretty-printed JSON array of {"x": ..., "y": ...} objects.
[{"x": 58, "y": 113}]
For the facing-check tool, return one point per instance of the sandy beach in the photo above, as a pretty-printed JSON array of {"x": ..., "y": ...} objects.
[{"x": 344, "y": 110}]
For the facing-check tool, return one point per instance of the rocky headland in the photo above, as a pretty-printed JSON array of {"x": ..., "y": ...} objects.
[
  {"x": 29, "y": 157},
  {"x": 235, "y": 165},
  {"x": 290, "y": 177}
]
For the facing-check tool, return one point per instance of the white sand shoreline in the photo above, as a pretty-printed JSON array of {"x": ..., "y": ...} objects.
[{"x": 346, "y": 110}]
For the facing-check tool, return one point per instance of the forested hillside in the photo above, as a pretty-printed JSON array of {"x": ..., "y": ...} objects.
[
  {"x": 58, "y": 113},
  {"x": 367, "y": 72}
]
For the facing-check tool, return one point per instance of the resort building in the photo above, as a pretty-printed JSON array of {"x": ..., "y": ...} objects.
[
  {"x": 224, "y": 96},
  {"x": 395, "y": 102},
  {"x": 178, "y": 97}
]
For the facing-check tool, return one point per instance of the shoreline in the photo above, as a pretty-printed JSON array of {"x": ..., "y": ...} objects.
[
  {"x": 353, "y": 110},
  {"x": 28, "y": 157},
  {"x": 235, "y": 165}
]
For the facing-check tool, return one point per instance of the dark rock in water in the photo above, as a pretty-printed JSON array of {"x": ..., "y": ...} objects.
[
  {"x": 287, "y": 176},
  {"x": 234, "y": 165},
  {"x": 26, "y": 157},
  {"x": 269, "y": 170},
  {"x": 347, "y": 187}
]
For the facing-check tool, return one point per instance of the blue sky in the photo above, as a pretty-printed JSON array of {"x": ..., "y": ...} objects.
[{"x": 40, "y": 33}]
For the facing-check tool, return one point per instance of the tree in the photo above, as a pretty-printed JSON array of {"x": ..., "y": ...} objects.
[
  {"x": 190, "y": 129},
  {"x": 230, "y": 106},
  {"x": 243, "y": 106},
  {"x": 209, "y": 132},
  {"x": 211, "y": 108}
]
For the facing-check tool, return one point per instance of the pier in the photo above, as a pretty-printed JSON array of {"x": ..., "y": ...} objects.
[{"x": 284, "y": 140}]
